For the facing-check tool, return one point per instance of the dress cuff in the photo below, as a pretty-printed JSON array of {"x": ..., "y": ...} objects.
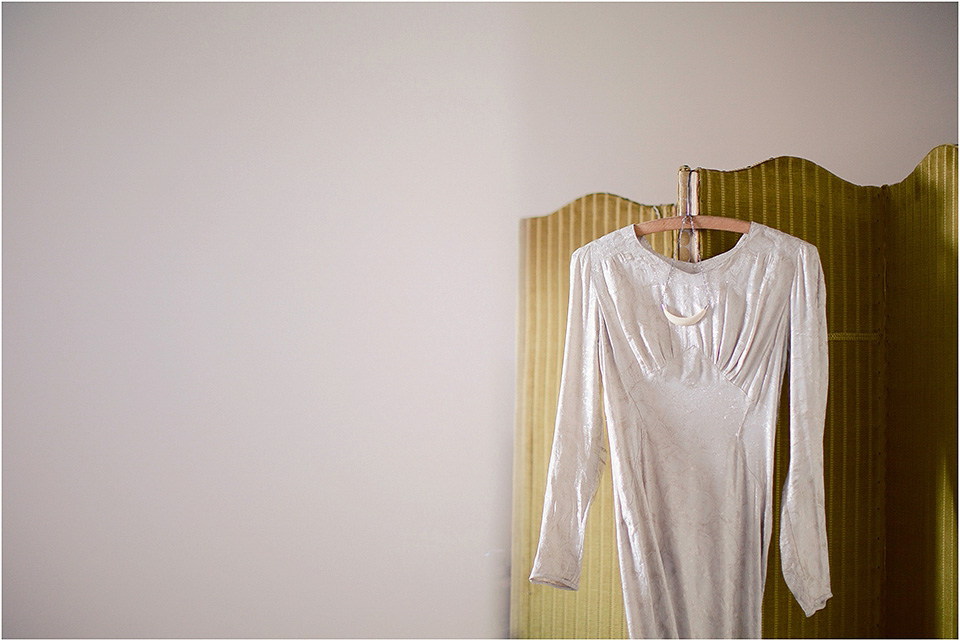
[
  {"x": 817, "y": 604},
  {"x": 554, "y": 581}
]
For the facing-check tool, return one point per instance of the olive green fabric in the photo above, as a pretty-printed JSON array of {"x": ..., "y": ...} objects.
[
  {"x": 921, "y": 239},
  {"x": 891, "y": 408}
]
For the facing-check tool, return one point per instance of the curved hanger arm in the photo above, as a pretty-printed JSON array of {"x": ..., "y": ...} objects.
[{"x": 692, "y": 222}]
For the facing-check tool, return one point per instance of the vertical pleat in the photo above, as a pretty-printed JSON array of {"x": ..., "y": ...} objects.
[{"x": 921, "y": 561}]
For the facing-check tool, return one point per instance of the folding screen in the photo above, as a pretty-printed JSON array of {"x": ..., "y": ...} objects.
[
  {"x": 889, "y": 258},
  {"x": 921, "y": 247}
]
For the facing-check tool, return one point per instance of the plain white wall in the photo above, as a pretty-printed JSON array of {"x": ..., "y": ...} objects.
[{"x": 260, "y": 269}]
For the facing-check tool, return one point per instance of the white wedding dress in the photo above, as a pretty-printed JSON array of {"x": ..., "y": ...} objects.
[{"x": 691, "y": 407}]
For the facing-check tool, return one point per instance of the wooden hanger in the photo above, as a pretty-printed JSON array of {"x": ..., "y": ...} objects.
[{"x": 688, "y": 219}]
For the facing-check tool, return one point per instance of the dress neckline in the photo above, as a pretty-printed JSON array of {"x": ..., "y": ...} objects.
[{"x": 707, "y": 264}]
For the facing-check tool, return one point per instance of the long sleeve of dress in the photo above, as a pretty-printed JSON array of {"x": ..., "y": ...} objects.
[
  {"x": 803, "y": 534},
  {"x": 578, "y": 453}
]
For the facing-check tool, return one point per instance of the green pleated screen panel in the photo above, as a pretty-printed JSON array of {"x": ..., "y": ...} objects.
[
  {"x": 921, "y": 525},
  {"x": 891, "y": 417}
]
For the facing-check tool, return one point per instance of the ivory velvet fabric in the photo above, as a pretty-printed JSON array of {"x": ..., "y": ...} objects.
[{"x": 691, "y": 417}]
